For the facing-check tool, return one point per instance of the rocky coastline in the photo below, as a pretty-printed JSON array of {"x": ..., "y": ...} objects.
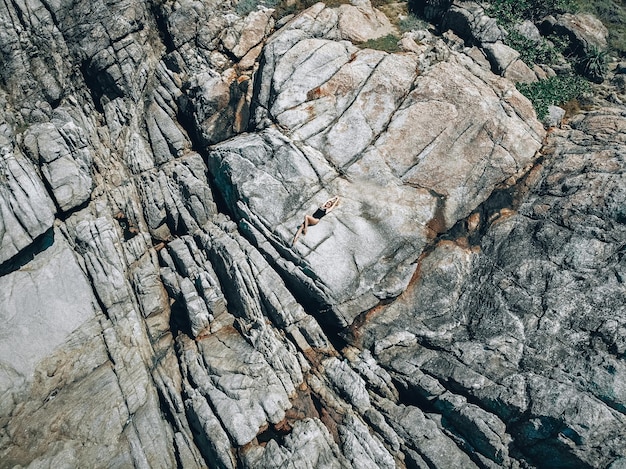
[{"x": 463, "y": 306}]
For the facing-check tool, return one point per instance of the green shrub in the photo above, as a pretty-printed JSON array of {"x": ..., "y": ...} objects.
[
  {"x": 533, "y": 52},
  {"x": 513, "y": 11},
  {"x": 388, "y": 43},
  {"x": 594, "y": 64},
  {"x": 246, "y": 6},
  {"x": 553, "y": 91},
  {"x": 411, "y": 22},
  {"x": 286, "y": 7}
]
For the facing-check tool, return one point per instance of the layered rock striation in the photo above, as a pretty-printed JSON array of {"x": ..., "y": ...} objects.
[{"x": 463, "y": 306}]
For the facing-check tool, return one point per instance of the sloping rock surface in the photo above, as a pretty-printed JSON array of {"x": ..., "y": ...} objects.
[{"x": 463, "y": 306}]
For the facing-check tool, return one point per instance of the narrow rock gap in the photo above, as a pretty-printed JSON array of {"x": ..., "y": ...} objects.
[
  {"x": 161, "y": 24},
  {"x": 26, "y": 255}
]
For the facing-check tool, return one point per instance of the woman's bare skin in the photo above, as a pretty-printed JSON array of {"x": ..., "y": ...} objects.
[{"x": 311, "y": 220}]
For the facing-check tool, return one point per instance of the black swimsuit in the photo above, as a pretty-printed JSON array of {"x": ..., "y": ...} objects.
[{"x": 319, "y": 213}]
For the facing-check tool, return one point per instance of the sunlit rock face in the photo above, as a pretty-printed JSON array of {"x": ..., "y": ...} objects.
[
  {"x": 462, "y": 306},
  {"x": 409, "y": 148}
]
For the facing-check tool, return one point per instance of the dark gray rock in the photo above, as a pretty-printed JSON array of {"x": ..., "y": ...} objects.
[
  {"x": 548, "y": 287},
  {"x": 469, "y": 21}
]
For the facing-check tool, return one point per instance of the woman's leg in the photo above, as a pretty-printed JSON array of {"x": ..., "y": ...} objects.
[
  {"x": 309, "y": 221},
  {"x": 295, "y": 238}
]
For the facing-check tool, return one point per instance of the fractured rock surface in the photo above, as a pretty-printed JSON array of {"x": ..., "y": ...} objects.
[{"x": 463, "y": 306}]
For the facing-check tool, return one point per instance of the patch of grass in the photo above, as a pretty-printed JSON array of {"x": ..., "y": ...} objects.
[
  {"x": 290, "y": 7},
  {"x": 611, "y": 12},
  {"x": 380, "y": 3},
  {"x": 411, "y": 22},
  {"x": 513, "y": 11},
  {"x": 388, "y": 43},
  {"x": 554, "y": 91},
  {"x": 246, "y": 6}
]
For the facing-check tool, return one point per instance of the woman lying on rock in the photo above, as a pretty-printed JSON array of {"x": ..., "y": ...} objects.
[{"x": 310, "y": 220}]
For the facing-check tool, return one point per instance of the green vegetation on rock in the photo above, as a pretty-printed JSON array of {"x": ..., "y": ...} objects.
[
  {"x": 553, "y": 91},
  {"x": 512, "y": 11},
  {"x": 388, "y": 43},
  {"x": 545, "y": 51},
  {"x": 411, "y": 22}
]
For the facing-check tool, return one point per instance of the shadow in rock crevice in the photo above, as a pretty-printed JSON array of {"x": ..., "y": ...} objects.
[{"x": 26, "y": 255}]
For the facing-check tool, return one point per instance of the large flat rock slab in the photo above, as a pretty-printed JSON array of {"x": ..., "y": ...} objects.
[
  {"x": 42, "y": 304},
  {"x": 409, "y": 148}
]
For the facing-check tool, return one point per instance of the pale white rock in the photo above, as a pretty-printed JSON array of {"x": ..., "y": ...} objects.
[
  {"x": 242, "y": 388},
  {"x": 528, "y": 29},
  {"x": 139, "y": 158},
  {"x": 166, "y": 138},
  {"x": 197, "y": 311},
  {"x": 469, "y": 21},
  {"x": 43, "y": 303},
  {"x": 360, "y": 22},
  {"x": 63, "y": 153},
  {"x": 361, "y": 448},
  {"x": 422, "y": 435},
  {"x": 26, "y": 209},
  {"x": 356, "y": 113},
  {"x": 308, "y": 445},
  {"x": 500, "y": 55},
  {"x": 144, "y": 276},
  {"x": 247, "y": 33},
  {"x": 349, "y": 384},
  {"x": 367, "y": 225},
  {"x": 376, "y": 377},
  {"x": 215, "y": 445},
  {"x": 485, "y": 431},
  {"x": 519, "y": 72},
  {"x": 587, "y": 30},
  {"x": 554, "y": 117}
]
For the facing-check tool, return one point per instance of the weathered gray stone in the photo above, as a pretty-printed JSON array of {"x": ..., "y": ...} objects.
[
  {"x": 554, "y": 117},
  {"x": 39, "y": 312},
  {"x": 583, "y": 29},
  {"x": 63, "y": 153},
  {"x": 339, "y": 128},
  {"x": 217, "y": 103},
  {"x": 26, "y": 208},
  {"x": 484, "y": 431},
  {"x": 528, "y": 29},
  {"x": 360, "y": 22},
  {"x": 349, "y": 384},
  {"x": 362, "y": 449},
  {"x": 535, "y": 287},
  {"x": 247, "y": 33},
  {"x": 519, "y": 72},
  {"x": 501, "y": 56},
  {"x": 468, "y": 20},
  {"x": 422, "y": 435},
  {"x": 217, "y": 446},
  {"x": 240, "y": 385},
  {"x": 309, "y": 443},
  {"x": 451, "y": 278}
]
